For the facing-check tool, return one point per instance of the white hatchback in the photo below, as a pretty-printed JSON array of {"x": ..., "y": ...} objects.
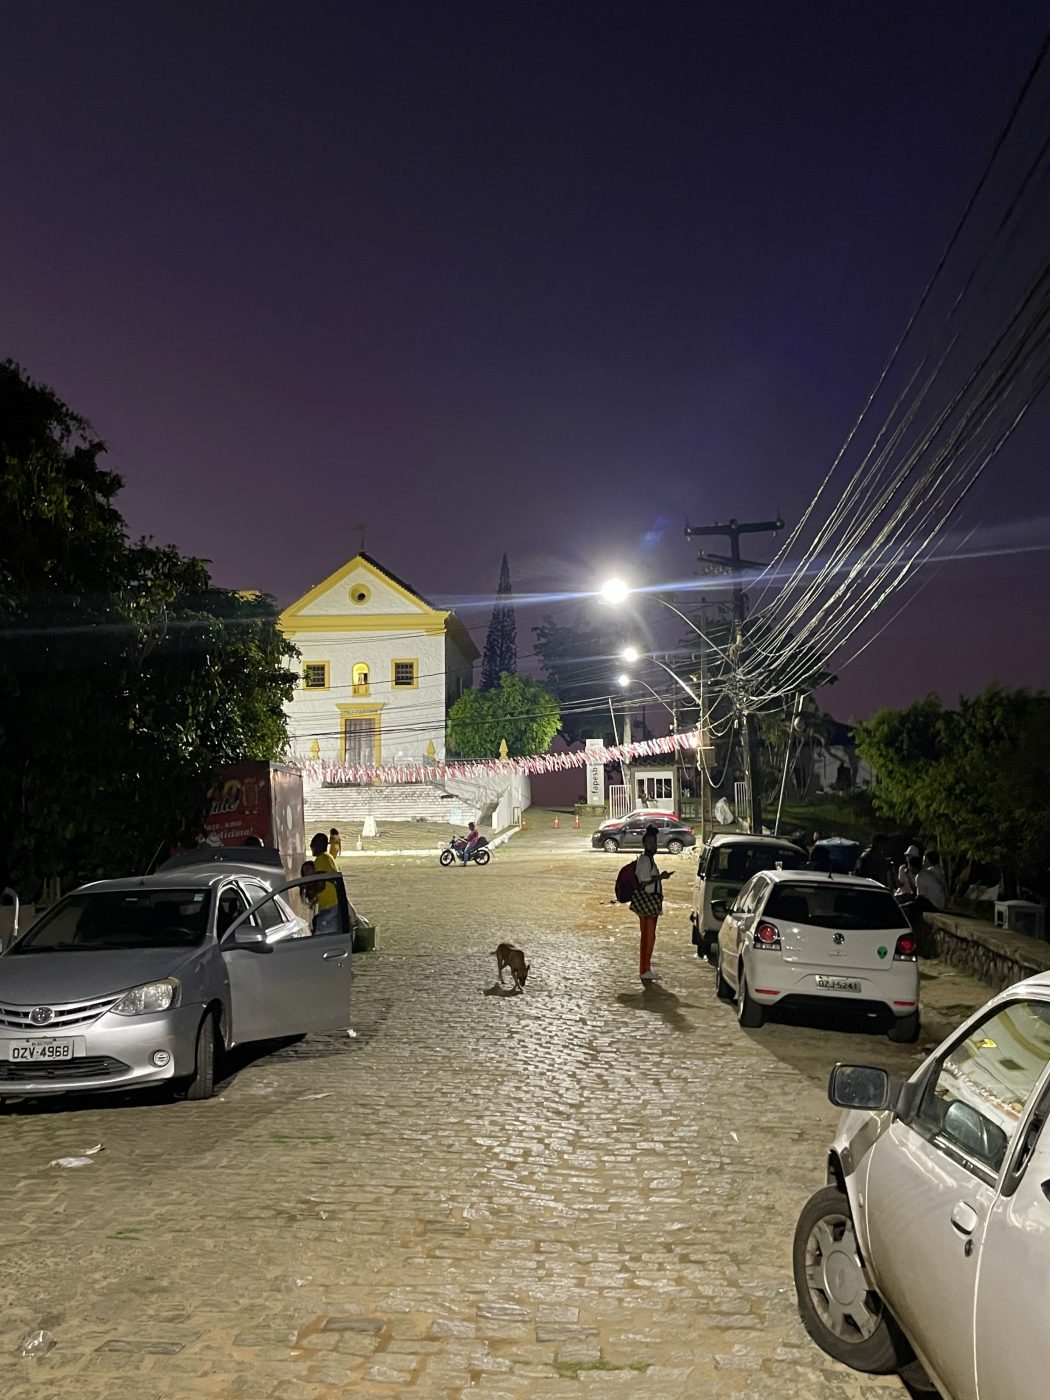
[
  {"x": 811, "y": 939},
  {"x": 931, "y": 1236}
]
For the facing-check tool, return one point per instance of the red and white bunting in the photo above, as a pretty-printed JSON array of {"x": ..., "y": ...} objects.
[{"x": 321, "y": 770}]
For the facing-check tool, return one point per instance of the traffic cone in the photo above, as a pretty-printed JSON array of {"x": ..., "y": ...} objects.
[
  {"x": 576, "y": 822},
  {"x": 557, "y": 823}
]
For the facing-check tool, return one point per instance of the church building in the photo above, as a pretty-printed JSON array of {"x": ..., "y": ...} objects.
[{"x": 379, "y": 667}]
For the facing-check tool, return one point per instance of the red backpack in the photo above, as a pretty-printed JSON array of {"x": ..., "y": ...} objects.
[{"x": 626, "y": 883}]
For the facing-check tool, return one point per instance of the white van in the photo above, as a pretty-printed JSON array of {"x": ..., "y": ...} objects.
[{"x": 726, "y": 864}]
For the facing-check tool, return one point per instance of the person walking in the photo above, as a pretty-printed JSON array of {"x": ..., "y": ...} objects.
[
  {"x": 648, "y": 901},
  {"x": 327, "y": 901}
]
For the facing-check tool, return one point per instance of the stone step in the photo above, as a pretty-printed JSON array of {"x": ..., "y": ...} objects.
[{"x": 328, "y": 806}]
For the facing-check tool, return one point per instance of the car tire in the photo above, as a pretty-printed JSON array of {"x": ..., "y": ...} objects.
[
  {"x": 482, "y": 858},
  {"x": 201, "y": 1084},
  {"x": 749, "y": 1012},
  {"x": 723, "y": 991},
  {"x": 447, "y": 857},
  {"x": 840, "y": 1311},
  {"x": 610, "y": 844},
  {"x": 675, "y": 847},
  {"x": 905, "y": 1029}
]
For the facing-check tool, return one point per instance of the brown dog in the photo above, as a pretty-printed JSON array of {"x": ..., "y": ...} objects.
[{"x": 509, "y": 956}]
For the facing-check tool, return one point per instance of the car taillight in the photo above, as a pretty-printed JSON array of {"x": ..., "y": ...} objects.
[
  {"x": 907, "y": 948},
  {"x": 767, "y": 936},
  {"x": 689, "y": 831}
]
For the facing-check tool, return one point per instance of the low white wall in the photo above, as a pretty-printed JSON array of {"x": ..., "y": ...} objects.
[{"x": 511, "y": 792}]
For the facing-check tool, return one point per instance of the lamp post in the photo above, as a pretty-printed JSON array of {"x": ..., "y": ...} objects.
[{"x": 616, "y": 591}]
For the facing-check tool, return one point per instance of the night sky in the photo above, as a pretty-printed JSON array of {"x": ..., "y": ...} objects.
[{"x": 548, "y": 279}]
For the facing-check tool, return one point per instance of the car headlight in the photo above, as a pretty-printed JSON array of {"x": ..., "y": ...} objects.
[{"x": 151, "y": 996}]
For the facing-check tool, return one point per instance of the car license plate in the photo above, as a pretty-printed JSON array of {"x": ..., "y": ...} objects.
[
  {"x": 37, "y": 1050},
  {"x": 837, "y": 984}
]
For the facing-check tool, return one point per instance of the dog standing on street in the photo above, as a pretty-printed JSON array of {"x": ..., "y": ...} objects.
[{"x": 508, "y": 956}]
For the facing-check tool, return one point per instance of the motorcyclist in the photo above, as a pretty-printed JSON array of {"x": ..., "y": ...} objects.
[{"x": 469, "y": 844}]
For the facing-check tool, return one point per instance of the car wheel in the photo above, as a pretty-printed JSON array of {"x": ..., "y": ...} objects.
[
  {"x": 482, "y": 858},
  {"x": 723, "y": 991},
  {"x": 610, "y": 844},
  {"x": 838, "y": 1307},
  {"x": 201, "y": 1084},
  {"x": 748, "y": 1011},
  {"x": 675, "y": 847},
  {"x": 905, "y": 1029},
  {"x": 447, "y": 857}
]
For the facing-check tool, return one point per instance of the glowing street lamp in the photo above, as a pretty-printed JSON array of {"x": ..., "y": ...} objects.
[
  {"x": 631, "y": 654},
  {"x": 615, "y": 591}
]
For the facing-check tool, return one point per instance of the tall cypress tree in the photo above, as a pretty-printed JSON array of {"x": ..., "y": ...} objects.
[{"x": 501, "y": 644}]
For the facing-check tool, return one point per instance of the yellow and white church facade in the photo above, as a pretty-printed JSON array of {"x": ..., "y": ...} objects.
[{"x": 378, "y": 669}]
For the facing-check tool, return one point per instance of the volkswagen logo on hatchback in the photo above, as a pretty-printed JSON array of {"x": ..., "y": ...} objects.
[{"x": 41, "y": 1015}]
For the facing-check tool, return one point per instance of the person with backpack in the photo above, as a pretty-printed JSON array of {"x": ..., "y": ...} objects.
[{"x": 647, "y": 901}]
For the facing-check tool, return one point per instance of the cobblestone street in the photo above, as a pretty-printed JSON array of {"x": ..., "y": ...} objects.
[{"x": 586, "y": 1190}]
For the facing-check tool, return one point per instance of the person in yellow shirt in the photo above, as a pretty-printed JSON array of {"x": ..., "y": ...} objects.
[{"x": 326, "y": 919}]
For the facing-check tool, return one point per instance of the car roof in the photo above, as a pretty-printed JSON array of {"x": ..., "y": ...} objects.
[
  {"x": 827, "y": 877},
  {"x": 729, "y": 838},
  {"x": 199, "y": 877}
]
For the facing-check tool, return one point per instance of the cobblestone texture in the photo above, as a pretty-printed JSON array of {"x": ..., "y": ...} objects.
[{"x": 587, "y": 1190}]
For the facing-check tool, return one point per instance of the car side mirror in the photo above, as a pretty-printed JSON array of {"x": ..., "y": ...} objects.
[
  {"x": 859, "y": 1086},
  {"x": 719, "y": 908},
  {"x": 254, "y": 938},
  {"x": 975, "y": 1133}
]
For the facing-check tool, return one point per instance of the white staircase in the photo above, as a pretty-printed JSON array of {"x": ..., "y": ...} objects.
[{"x": 332, "y": 806}]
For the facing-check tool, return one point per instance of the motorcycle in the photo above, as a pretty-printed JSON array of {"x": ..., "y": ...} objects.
[{"x": 479, "y": 853}]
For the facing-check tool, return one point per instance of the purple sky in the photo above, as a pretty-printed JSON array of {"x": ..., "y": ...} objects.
[{"x": 539, "y": 278}]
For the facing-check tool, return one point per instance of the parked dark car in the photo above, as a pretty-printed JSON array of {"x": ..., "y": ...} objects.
[{"x": 672, "y": 834}]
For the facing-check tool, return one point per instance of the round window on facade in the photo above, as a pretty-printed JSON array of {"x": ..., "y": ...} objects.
[{"x": 360, "y": 593}]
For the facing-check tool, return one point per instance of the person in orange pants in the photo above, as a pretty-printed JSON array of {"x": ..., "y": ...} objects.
[{"x": 648, "y": 902}]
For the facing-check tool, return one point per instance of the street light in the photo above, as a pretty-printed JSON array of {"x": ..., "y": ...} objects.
[
  {"x": 633, "y": 654},
  {"x": 626, "y": 681},
  {"x": 615, "y": 591}
]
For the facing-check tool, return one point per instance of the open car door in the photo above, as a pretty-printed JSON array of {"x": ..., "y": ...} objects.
[{"x": 288, "y": 986}]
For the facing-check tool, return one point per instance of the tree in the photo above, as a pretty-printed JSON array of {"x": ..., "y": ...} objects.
[
  {"x": 127, "y": 677},
  {"x": 519, "y": 710},
  {"x": 974, "y": 780},
  {"x": 579, "y": 660},
  {"x": 501, "y": 645}
]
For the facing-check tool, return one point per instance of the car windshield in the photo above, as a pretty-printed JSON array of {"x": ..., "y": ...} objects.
[
  {"x": 739, "y": 861},
  {"x": 830, "y": 905},
  {"x": 111, "y": 919}
]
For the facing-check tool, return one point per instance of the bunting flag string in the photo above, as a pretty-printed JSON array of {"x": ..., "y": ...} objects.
[{"x": 338, "y": 774}]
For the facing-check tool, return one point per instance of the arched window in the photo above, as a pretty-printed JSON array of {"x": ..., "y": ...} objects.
[{"x": 361, "y": 685}]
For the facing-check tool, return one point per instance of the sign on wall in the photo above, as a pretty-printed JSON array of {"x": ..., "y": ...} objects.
[{"x": 595, "y": 775}]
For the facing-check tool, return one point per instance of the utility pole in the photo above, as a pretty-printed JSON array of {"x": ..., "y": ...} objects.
[{"x": 734, "y": 565}]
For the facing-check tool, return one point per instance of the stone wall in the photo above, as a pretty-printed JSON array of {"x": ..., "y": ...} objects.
[{"x": 996, "y": 956}]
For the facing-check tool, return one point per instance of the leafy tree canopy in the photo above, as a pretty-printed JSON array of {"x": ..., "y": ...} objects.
[
  {"x": 973, "y": 780},
  {"x": 127, "y": 676},
  {"x": 519, "y": 710}
]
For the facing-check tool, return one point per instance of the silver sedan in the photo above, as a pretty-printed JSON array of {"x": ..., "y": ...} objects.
[{"x": 136, "y": 982}]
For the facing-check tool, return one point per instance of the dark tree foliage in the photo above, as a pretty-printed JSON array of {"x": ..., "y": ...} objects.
[
  {"x": 580, "y": 660},
  {"x": 500, "y": 657},
  {"x": 973, "y": 780},
  {"x": 127, "y": 678}
]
